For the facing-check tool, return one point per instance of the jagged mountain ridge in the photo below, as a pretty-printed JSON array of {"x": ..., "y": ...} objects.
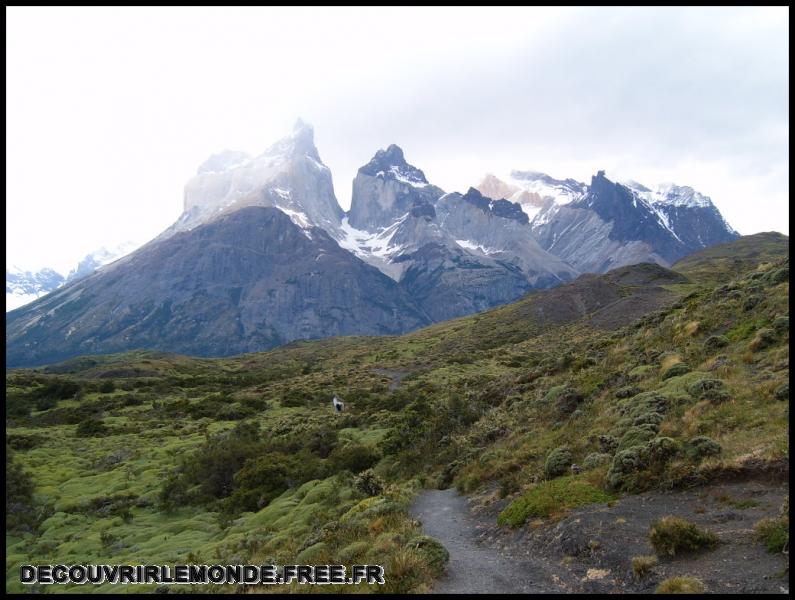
[
  {"x": 605, "y": 225},
  {"x": 406, "y": 254}
]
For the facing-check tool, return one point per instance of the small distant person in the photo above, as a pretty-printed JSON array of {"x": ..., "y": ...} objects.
[{"x": 339, "y": 405}]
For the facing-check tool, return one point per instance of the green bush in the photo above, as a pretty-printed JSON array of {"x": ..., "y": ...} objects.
[
  {"x": 24, "y": 442},
  {"x": 661, "y": 449},
  {"x": 59, "y": 389},
  {"x": 263, "y": 478},
  {"x": 774, "y": 534},
  {"x": 699, "y": 386},
  {"x": 781, "y": 325},
  {"x": 353, "y": 457},
  {"x": 431, "y": 550},
  {"x": 212, "y": 467},
  {"x": 608, "y": 444},
  {"x": 675, "y": 370},
  {"x": 751, "y": 302},
  {"x": 652, "y": 418},
  {"x": 647, "y": 402},
  {"x": 596, "y": 459},
  {"x": 671, "y": 535},
  {"x": 91, "y": 428},
  {"x": 638, "y": 435},
  {"x": 701, "y": 446},
  {"x": 625, "y": 463},
  {"x": 681, "y": 585},
  {"x": 558, "y": 462},
  {"x": 715, "y": 342},
  {"x": 46, "y": 403},
  {"x": 108, "y": 386},
  {"x": 19, "y": 496},
  {"x": 548, "y": 497},
  {"x": 368, "y": 483},
  {"x": 567, "y": 400},
  {"x": 764, "y": 338},
  {"x": 777, "y": 276},
  {"x": 627, "y": 392}
]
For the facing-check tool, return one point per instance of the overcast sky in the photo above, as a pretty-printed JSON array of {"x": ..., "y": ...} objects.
[{"x": 111, "y": 110}]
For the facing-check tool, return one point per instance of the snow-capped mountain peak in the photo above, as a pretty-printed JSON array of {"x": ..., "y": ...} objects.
[
  {"x": 670, "y": 194},
  {"x": 391, "y": 164},
  {"x": 289, "y": 175},
  {"x": 24, "y": 286}
]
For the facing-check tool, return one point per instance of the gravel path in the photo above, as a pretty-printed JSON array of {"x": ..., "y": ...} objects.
[
  {"x": 474, "y": 568},
  {"x": 590, "y": 549}
]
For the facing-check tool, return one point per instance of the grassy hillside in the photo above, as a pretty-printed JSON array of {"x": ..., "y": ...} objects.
[{"x": 643, "y": 377}]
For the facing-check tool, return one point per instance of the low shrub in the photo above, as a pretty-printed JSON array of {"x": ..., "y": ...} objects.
[
  {"x": 781, "y": 325},
  {"x": 558, "y": 462},
  {"x": 432, "y": 551},
  {"x": 596, "y": 459},
  {"x": 777, "y": 276},
  {"x": 699, "y": 386},
  {"x": 608, "y": 444},
  {"x": 774, "y": 534},
  {"x": 642, "y": 565},
  {"x": 91, "y": 428},
  {"x": 638, "y": 435},
  {"x": 681, "y": 585},
  {"x": 625, "y": 463},
  {"x": 353, "y": 457},
  {"x": 763, "y": 339},
  {"x": 627, "y": 391},
  {"x": 675, "y": 370},
  {"x": 700, "y": 447},
  {"x": 671, "y": 535},
  {"x": 714, "y": 342},
  {"x": 368, "y": 483},
  {"x": 661, "y": 449}
]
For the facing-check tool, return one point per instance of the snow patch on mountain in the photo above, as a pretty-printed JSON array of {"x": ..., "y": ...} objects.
[
  {"x": 299, "y": 219},
  {"x": 365, "y": 244},
  {"x": 405, "y": 177},
  {"x": 468, "y": 245}
]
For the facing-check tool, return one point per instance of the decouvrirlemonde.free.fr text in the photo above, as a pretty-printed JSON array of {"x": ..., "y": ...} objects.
[{"x": 201, "y": 574}]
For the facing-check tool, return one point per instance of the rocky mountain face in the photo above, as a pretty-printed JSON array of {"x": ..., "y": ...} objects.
[
  {"x": 289, "y": 175},
  {"x": 263, "y": 255},
  {"x": 249, "y": 280},
  {"x": 387, "y": 188},
  {"x": 604, "y": 225},
  {"x": 454, "y": 254}
]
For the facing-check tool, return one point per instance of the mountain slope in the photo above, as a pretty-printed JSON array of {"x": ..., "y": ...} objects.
[{"x": 248, "y": 280}]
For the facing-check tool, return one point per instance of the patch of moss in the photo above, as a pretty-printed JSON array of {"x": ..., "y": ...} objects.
[{"x": 548, "y": 497}]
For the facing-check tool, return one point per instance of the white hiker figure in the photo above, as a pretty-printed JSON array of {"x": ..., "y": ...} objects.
[{"x": 339, "y": 406}]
